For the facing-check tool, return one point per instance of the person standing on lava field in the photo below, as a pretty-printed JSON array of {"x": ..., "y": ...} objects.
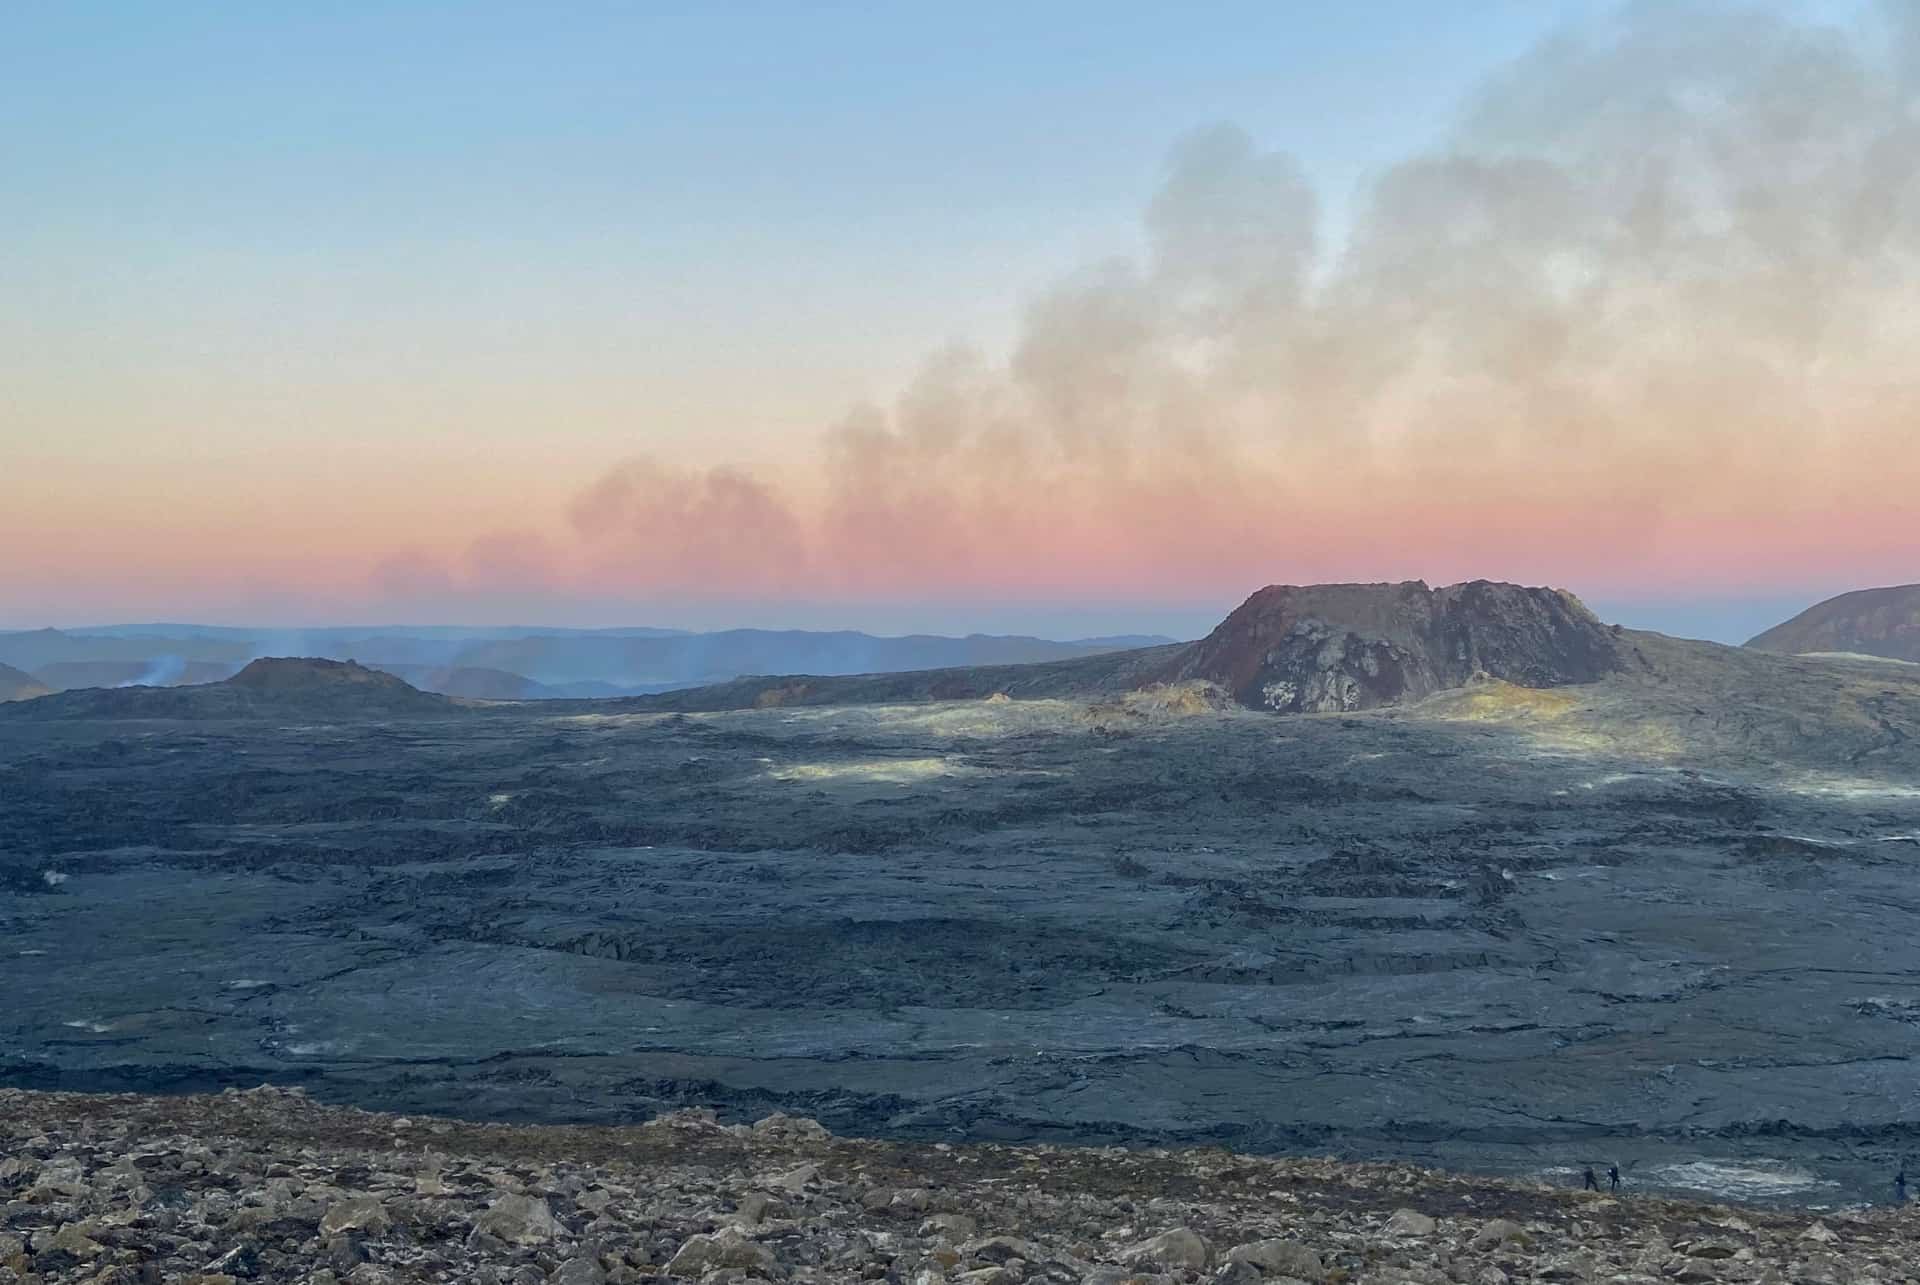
[
  {"x": 1592, "y": 1183},
  {"x": 1900, "y": 1186},
  {"x": 1613, "y": 1179}
]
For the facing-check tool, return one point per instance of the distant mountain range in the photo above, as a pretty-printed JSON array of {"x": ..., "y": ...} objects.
[
  {"x": 541, "y": 663},
  {"x": 513, "y": 664},
  {"x": 1288, "y": 648}
]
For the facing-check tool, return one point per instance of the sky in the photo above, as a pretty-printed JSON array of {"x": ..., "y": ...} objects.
[{"x": 1068, "y": 319}]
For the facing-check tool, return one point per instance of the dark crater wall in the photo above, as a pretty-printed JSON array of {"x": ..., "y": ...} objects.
[
  {"x": 1870, "y": 622},
  {"x": 1330, "y": 648}
]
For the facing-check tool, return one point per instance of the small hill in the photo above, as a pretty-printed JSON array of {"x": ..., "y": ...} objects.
[
  {"x": 324, "y": 687},
  {"x": 298, "y": 688},
  {"x": 1328, "y": 648},
  {"x": 1866, "y": 622},
  {"x": 18, "y": 686}
]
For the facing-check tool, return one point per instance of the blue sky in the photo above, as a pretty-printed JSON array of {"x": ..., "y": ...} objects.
[{"x": 920, "y": 168}]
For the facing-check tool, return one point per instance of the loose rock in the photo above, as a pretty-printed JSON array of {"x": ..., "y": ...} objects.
[
  {"x": 1410, "y": 1222},
  {"x": 1280, "y": 1258},
  {"x": 1176, "y": 1250},
  {"x": 727, "y": 1248},
  {"x": 518, "y": 1220}
]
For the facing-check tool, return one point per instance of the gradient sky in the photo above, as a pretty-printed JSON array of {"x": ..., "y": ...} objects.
[{"x": 483, "y": 312}]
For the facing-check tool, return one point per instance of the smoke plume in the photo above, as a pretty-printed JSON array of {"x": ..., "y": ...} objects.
[
  {"x": 161, "y": 671},
  {"x": 1650, "y": 310}
]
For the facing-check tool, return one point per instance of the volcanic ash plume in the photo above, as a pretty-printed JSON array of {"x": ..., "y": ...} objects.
[{"x": 1650, "y": 311}]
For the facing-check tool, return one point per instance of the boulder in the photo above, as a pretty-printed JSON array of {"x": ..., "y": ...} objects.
[
  {"x": 1117, "y": 1276},
  {"x": 999, "y": 1249},
  {"x": 795, "y": 1180},
  {"x": 70, "y": 1239},
  {"x": 1497, "y": 1232},
  {"x": 1410, "y": 1222},
  {"x": 1280, "y": 1258},
  {"x": 725, "y": 1248},
  {"x": 1822, "y": 1269},
  {"x": 242, "y": 1260},
  {"x": 752, "y": 1210},
  {"x": 579, "y": 1271},
  {"x": 956, "y": 1227},
  {"x": 356, "y": 1213},
  {"x": 518, "y": 1220},
  {"x": 789, "y": 1127},
  {"x": 1176, "y": 1250},
  {"x": 1714, "y": 1249}
]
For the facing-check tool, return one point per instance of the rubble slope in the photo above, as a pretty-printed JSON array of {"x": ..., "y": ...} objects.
[{"x": 267, "y": 1185}]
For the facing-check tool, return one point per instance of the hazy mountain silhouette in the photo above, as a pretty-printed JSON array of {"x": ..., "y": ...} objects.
[{"x": 16, "y": 685}]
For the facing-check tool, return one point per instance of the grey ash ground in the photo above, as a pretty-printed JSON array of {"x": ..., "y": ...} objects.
[
  {"x": 1666, "y": 919},
  {"x": 265, "y": 1185}
]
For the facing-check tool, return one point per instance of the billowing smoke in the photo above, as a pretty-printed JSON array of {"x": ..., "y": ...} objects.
[{"x": 1651, "y": 310}]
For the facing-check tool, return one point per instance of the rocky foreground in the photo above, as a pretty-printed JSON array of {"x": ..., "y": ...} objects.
[{"x": 267, "y": 1185}]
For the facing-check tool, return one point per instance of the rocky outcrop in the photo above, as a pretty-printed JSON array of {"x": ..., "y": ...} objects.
[
  {"x": 1333, "y": 648},
  {"x": 1867, "y": 622},
  {"x": 266, "y": 1185}
]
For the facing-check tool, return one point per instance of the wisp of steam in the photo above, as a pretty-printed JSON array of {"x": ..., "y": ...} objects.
[{"x": 160, "y": 672}]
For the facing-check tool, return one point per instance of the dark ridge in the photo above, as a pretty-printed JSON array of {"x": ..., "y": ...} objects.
[
  {"x": 1108, "y": 673},
  {"x": 302, "y": 688},
  {"x": 1867, "y": 622}
]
